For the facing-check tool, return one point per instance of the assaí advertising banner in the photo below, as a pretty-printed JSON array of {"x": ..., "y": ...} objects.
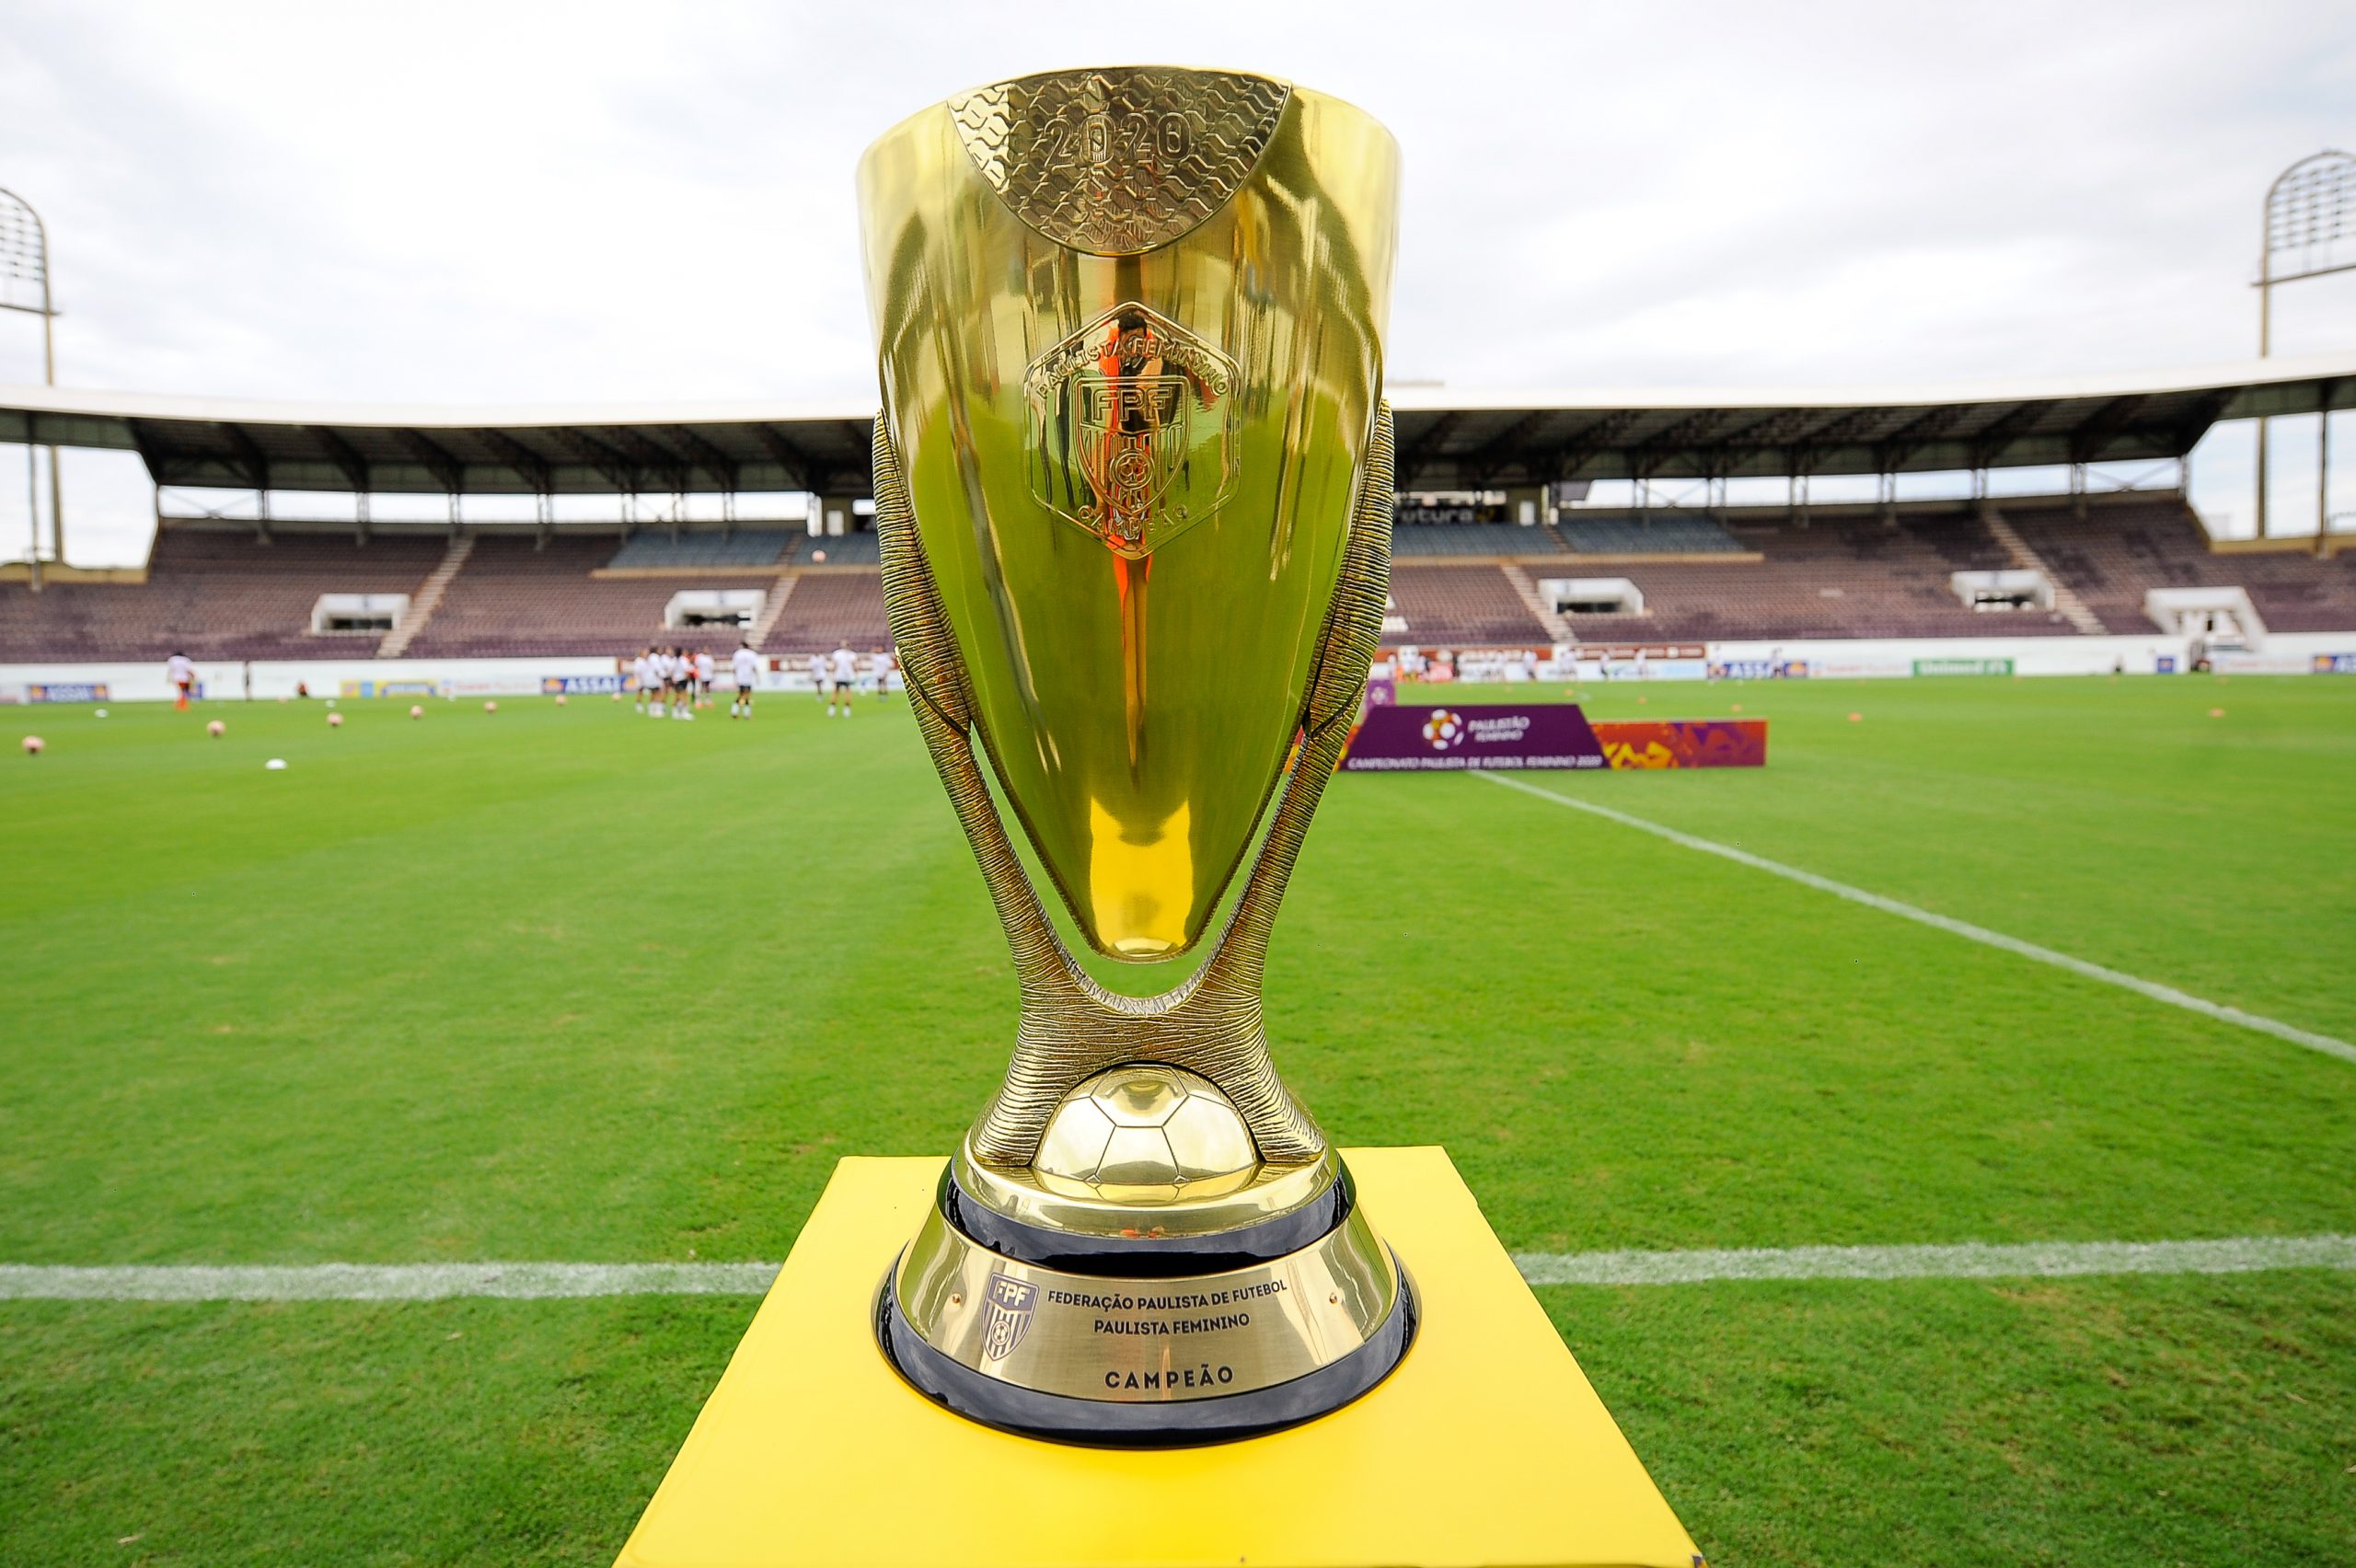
[
  {"x": 579, "y": 686},
  {"x": 1759, "y": 670},
  {"x": 69, "y": 691}
]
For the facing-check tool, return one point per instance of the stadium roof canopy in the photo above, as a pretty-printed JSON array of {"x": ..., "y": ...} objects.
[{"x": 1449, "y": 438}]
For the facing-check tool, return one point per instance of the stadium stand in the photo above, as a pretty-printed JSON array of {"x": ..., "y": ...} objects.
[
  {"x": 216, "y": 594},
  {"x": 223, "y": 593},
  {"x": 1472, "y": 539},
  {"x": 2120, "y": 550},
  {"x": 1674, "y": 533},
  {"x": 830, "y": 608},
  {"x": 1453, "y": 606},
  {"x": 516, "y": 597},
  {"x": 1842, "y": 578},
  {"x": 843, "y": 549},
  {"x": 744, "y": 548}
]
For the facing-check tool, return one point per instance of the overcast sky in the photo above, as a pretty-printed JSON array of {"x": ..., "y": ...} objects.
[{"x": 492, "y": 202}]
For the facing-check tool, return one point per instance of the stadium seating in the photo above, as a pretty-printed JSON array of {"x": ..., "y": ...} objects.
[
  {"x": 1472, "y": 539},
  {"x": 742, "y": 548},
  {"x": 1845, "y": 577},
  {"x": 831, "y": 607},
  {"x": 841, "y": 549},
  {"x": 1659, "y": 532},
  {"x": 222, "y": 594},
  {"x": 1456, "y": 606},
  {"x": 517, "y": 597},
  {"x": 2120, "y": 550},
  {"x": 216, "y": 594}
]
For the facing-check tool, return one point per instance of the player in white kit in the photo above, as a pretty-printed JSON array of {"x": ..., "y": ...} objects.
[
  {"x": 182, "y": 673},
  {"x": 748, "y": 672},
  {"x": 667, "y": 683},
  {"x": 703, "y": 679},
  {"x": 843, "y": 666},
  {"x": 641, "y": 670}
]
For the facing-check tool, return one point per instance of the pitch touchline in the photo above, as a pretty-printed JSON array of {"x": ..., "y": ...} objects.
[
  {"x": 1966, "y": 1260},
  {"x": 439, "y": 1282},
  {"x": 2326, "y": 1044}
]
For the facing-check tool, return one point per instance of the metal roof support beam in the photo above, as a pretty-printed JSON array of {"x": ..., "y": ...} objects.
[
  {"x": 791, "y": 458},
  {"x": 615, "y": 465},
  {"x": 444, "y": 465},
  {"x": 2322, "y": 468},
  {"x": 535, "y": 471},
  {"x": 705, "y": 455},
  {"x": 2000, "y": 433},
  {"x": 2097, "y": 428},
  {"x": 1416, "y": 455},
  {"x": 1484, "y": 462},
  {"x": 1565, "y": 461},
  {"x": 1922, "y": 430},
  {"x": 521, "y": 460},
  {"x": 2205, "y": 413},
  {"x": 353, "y": 468},
  {"x": 258, "y": 470},
  {"x": 657, "y": 459}
]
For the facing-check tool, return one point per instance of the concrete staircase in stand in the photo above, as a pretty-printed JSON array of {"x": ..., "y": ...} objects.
[
  {"x": 427, "y": 599},
  {"x": 1527, "y": 591},
  {"x": 773, "y": 610},
  {"x": 2066, "y": 602}
]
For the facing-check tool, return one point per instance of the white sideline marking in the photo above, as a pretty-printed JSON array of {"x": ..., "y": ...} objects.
[
  {"x": 2326, "y": 1044},
  {"x": 1967, "y": 1259},
  {"x": 378, "y": 1282},
  {"x": 442, "y": 1282}
]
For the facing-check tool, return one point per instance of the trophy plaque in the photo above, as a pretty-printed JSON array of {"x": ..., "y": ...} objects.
[{"x": 1133, "y": 491}]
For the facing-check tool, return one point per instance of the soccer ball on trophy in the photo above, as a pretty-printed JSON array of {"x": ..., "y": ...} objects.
[{"x": 1146, "y": 1134}]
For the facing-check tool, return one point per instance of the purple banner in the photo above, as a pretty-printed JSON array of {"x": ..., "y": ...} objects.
[{"x": 1414, "y": 737}]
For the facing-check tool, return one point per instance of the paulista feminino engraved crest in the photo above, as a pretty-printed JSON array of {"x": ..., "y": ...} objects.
[
  {"x": 1133, "y": 429},
  {"x": 1006, "y": 1315}
]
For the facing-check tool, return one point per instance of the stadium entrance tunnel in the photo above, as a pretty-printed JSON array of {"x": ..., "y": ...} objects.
[{"x": 694, "y": 608}]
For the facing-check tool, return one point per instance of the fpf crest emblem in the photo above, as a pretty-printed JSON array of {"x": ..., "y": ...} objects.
[
  {"x": 1133, "y": 425},
  {"x": 1006, "y": 1315}
]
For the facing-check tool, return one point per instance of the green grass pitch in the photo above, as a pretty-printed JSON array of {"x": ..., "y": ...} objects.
[{"x": 571, "y": 985}]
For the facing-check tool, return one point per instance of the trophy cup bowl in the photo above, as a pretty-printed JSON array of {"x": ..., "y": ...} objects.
[{"x": 1133, "y": 486}]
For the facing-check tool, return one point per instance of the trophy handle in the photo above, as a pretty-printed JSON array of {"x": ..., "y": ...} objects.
[{"x": 1071, "y": 1026}]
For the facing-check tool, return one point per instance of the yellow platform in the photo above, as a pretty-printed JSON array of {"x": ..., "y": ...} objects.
[{"x": 1487, "y": 1448}]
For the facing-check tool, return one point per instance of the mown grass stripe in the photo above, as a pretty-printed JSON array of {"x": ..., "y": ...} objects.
[
  {"x": 2327, "y": 1045},
  {"x": 438, "y": 1282},
  {"x": 377, "y": 1282}
]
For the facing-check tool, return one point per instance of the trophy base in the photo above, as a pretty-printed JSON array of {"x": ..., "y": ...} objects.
[
  {"x": 1152, "y": 1339},
  {"x": 1485, "y": 1445}
]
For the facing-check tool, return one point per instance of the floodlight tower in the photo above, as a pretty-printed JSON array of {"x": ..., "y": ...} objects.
[
  {"x": 24, "y": 269},
  {"x": 2310, "y": 208}
]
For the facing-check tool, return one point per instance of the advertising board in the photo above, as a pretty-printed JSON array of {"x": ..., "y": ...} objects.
[
  {"x": 1420, "y": 738},
  {"x": 1963, "y": 666}
]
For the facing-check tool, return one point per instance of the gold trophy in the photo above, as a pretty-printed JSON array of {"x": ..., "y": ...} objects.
[{"x": 1133, "y": 488}]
